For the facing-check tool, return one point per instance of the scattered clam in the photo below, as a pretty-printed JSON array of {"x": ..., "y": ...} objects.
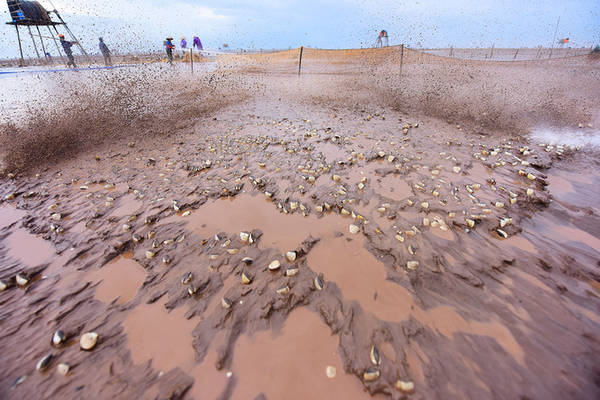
[
  {"x": 274, "y": 265},
  {"x": 501, "y": 233},
  {"x": 405, "y": 386},
  {"x": 319, "y": 283},
  {"x": 374, "y": 355},
  {"x": 192, "y": 290},
  {"x": 330, "y": 371},
  {"x": 88, "y": 340},
  {"x": 353, "y": 229},
  {"x": 412, "y": 265},
  {"x": 283, "y": 290},
  {"x": 44, "y": 362},
  {"x": 247, "y": 260},
  {"x": 166, "y": 260},
  {"x": 56, "y": 216},
  {"x": 150, "y": 254},
  {"x": 21, "y": 280},
  {"x": 290, "y": 256},
  {"x": 226, "y": 303},
  {"x": 187, "y": 278},
  {"x": 371, "y": 374},
  {"x": 246, "y": 280},
  {"x": 58, "y": 337},
  {"x": 244, "y": 236},
  {"x": 63, "y": 368},
  {"x": 4, "y": 284}
]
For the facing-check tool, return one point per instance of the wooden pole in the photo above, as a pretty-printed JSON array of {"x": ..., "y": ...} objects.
[
  {"x": 554, "y": 38},
  {"x": 192, "y": 58},
  {"x": 516, "y": 52},
  {"x": 20, "y": 47},
  {"x": 56, "y": 43},
  {"x": 33, "y": 41},
  {"x": 73, "y": 37},
  {"x": 401, "y": 59},
  {"x": 492, "y": 51},
  {"x": 450, "y": 51},
  {"x": 43, "y": 47},
  {"x": 300, "y": 59}
]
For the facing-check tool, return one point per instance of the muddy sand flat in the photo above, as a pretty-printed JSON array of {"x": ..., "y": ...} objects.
[{"x": 279, "y": 248}]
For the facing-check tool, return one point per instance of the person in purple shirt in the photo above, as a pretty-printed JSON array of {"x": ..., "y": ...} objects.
[
  {"x": 183, "y": 45},
  {"x": 197, "y": 43}
]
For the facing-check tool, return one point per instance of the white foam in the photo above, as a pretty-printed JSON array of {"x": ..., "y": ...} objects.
[{"x": 582, "y": 138}]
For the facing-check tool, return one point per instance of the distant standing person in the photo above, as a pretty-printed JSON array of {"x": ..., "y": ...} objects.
[
  {"x": 67, "y": 47},
  {"x": 197, "y": 43},
  {"x": 183, "y": 45},
  {"x": 169, "y": 47},
  {"x": 105, "y": 52}
]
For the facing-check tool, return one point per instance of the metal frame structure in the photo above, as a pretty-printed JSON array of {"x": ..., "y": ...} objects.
[{"x": 20, "y": 19}]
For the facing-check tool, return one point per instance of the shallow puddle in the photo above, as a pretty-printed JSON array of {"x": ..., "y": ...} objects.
[
  {"x": 128, "y": 205},
  {"x": 120, "y": 278},
  {"x": 9, "y": 215},
  {"x": 445, "y": 320},
  {"x": 361, "y": 277},
  {"x": 29, "y": 249},
  {"x": 164, "y": 337},
  {"x": 292, "y": 364},
  {"x": 392, "y": 187},
  {"x": 246, "y": 212},
  {"x": 331, "y": 152}
]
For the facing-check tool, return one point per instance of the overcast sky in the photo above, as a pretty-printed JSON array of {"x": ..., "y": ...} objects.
[{"x": 141, "y": 25}]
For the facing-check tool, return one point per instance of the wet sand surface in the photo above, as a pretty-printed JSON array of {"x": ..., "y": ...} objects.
[{"x": 281, "y": 247}]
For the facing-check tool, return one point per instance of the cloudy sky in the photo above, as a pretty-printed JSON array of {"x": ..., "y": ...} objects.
[{"x": 141, "y": 25}]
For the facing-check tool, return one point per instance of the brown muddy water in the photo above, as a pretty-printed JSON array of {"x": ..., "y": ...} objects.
[{"x": 282, "y": 246}]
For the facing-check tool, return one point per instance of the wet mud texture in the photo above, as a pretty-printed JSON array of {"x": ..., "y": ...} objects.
[{"x": 441, "y": 262}]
